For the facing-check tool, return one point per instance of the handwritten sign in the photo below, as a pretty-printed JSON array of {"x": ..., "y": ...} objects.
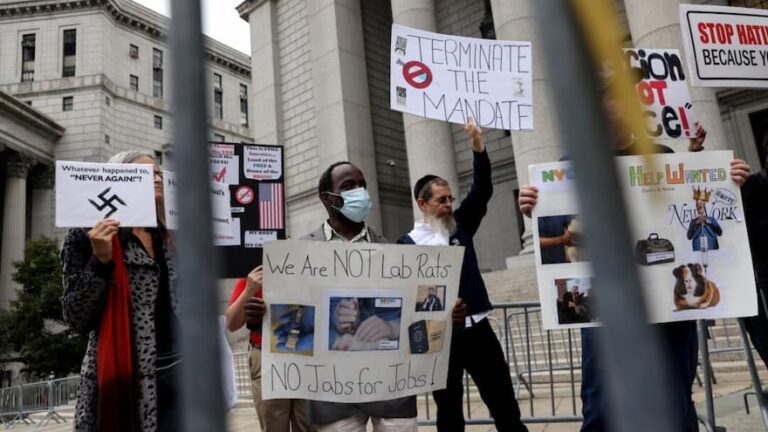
[
  {"x": 689, "y": 240},
  {"x": 725, "y": 46},
  {"x": 449, "y": 78},
  {"x": 663, "y": 92},
  {"x": 346, "y": 322},
  {"x": 89, "y": 192},
  {"x": 221, "y": 215}
]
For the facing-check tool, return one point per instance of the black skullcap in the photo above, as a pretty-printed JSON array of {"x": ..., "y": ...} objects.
[{"x": 420, "y": 183}]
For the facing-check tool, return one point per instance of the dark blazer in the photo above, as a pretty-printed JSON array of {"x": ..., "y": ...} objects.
[
  {"x": 468, "y": 217},
  {"x": 327, "y": 412}
]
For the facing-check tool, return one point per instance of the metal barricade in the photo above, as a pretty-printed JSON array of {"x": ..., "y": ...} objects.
[
  {"x": 242, "y": 375},
  {"x": 543, "y": 365},
  {"x": 10, "y": 406}
]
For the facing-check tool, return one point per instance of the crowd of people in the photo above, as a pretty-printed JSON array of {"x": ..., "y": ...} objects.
[{"x": 120, "y": 287}]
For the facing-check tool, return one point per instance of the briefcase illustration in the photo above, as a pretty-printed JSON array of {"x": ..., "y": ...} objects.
[{"x": 654, "y": 250}]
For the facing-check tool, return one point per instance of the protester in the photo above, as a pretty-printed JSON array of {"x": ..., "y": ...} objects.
[
  {"x": 474, "y": 345},
  {"x": 120, "y": 289},
  {"x": 755, "y": 197},
  {"x": 246, "y": 306},
  {"x": 342, "y": 190},
  {"x": 679, "y": 339}
]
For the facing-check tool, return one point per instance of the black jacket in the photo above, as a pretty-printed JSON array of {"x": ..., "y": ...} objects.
[
  {"x": 755, "y": 196},
  {"x": 468, "y": 217}
]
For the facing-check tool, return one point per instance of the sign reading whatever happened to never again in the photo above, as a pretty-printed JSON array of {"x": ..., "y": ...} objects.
[
  {"x": 450, "y": 78},
  {"x": 688, "y": 235},
  {"x": 88, "y": 192},
  {"x": 357, "y": 322},
  {"x": 725, "y": 46},
  {"x": 663, "y": 92}
]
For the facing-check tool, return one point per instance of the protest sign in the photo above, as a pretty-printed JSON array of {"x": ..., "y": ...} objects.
[
  {"x": 347, "y": 322},
  {"x": 725, "y": 46},
  {"x": 221, "y": 215},
  {"x": 253, "y": 199},
  {"x": 449, "y": 78},
  {"x": 89, "y": 192},
  {"x": 689, "y": 240},
  {"x": 663, "y": 92}
]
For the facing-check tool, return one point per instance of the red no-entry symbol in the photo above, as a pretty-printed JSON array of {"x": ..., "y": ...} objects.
[
  {"x": 417, "y": 74},
  {"x": 244, "y": 195}
]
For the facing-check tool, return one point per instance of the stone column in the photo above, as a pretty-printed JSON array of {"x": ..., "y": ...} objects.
[
  {"x": 656, "y": 24},
  {"x": 17, "y": 167},
  {"x": 516, "y": 20},
  {"x": 264, "y": 99},
  {"x": 340, "y": 89},
  {"x": 429, "y": 144},
  {"x": 42, "y": 203}
]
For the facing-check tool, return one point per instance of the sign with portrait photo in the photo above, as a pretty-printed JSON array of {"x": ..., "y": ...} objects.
[
  {"x": 689, "y": 240},
  {"x": 357, "y": 322}
]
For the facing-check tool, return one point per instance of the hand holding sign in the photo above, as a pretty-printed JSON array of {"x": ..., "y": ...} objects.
[
  {"x": 475, "y": 134},
  {"x": 101, "y": 239}
]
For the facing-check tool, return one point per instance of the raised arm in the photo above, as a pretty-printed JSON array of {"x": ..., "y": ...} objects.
[{"x": 475, "y": 205}]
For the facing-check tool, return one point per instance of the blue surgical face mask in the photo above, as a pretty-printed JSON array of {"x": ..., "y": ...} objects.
[{"x": 357, "y": 204}]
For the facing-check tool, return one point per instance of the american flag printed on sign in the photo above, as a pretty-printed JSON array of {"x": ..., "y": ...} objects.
[{"x": 271, "y": 206}]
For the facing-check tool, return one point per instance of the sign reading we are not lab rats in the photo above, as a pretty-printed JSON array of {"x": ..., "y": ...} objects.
[
  {"x": 450, "y": 78},
  {"x": 725, "y": 46},
  {"x": 357, "y": 322},
  {"x": 89, "y": 192}
]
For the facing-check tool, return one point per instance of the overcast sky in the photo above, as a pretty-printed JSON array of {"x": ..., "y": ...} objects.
[{"x": 220, "y": 21}]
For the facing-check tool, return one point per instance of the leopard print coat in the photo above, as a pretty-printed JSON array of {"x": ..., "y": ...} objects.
[{"x": 86, "y": 283}]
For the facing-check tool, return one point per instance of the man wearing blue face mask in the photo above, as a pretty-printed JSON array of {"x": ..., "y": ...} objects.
[{"x": 342, "y": 190}]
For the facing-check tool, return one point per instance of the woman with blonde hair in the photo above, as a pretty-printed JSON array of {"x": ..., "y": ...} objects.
[{"x": 120, "y": 289}]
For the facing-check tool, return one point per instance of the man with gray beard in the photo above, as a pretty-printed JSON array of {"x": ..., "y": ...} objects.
[{"x": 474, "y": 345}]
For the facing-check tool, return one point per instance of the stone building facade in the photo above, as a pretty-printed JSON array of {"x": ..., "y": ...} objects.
[{"x": 83, "y": 80}]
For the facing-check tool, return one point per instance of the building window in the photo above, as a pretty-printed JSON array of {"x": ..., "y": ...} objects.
[
  {"x": 134, "y": 83},
  {"x": 218, "y": 109},
  {"x": 70, "y": 51},
  {"x": 106, "y": 138},
  {"x": 244, "y": 105},
  {"x": 133, "y": 51},
  {"x": 28, "y": 57},
  {"x": 157, "y": 73},
  {"x": 219, "y": 138},
  {"x": 67, "y": 103},
  {"x": 107, "y": 100},
  {"x": 158, "y": 122}
]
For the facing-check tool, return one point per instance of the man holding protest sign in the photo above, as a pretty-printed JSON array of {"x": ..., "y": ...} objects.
[
  {"x": 342, "y": 190},
  {"x": 679, "y": 339},
  {"x": 475, "y": 347}
]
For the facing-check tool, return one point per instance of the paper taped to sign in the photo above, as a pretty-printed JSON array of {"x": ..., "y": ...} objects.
[
  {"x": 221, "y": 216},
  {"x": 225, "y": 164},
  {"x": 233, "y": 239},
  {"x": 256, "y": 239},
  {"x": 262, "y": 163}
]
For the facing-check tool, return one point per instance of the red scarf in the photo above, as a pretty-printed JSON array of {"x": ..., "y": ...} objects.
[{"x": 114, "y": 357}]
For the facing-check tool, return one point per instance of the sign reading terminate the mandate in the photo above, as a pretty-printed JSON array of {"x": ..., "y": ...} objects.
[{"x": 450, "y": 78}]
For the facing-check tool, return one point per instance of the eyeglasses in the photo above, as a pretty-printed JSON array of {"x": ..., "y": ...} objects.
[
  {"x": 159, "y": 174},
  {"x": 445, "y": 199}
]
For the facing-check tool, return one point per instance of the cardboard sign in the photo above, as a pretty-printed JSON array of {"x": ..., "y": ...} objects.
[
  {"x": 89, "y": 192},
  {"x": 347, "y": 322},
  {"x": 449, "y": 78},
  {"x": 725, "y": 46},
  {"x": 689, "y": 239},
  {"x": 663, "y": 92}
]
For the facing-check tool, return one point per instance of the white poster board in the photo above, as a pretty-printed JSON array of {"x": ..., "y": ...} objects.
[
  {"x": 692, "y": 266},
  {"x": 663, "y": 92},
  {"x": 725, "y": 46},
  {"x": 344, "y": 321},
  {"x": 262, "y": 162},
  {"x": 449, "y": 78},
  {"x": 220, "y": 209},
  {"x": 88, "y": 192}
]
